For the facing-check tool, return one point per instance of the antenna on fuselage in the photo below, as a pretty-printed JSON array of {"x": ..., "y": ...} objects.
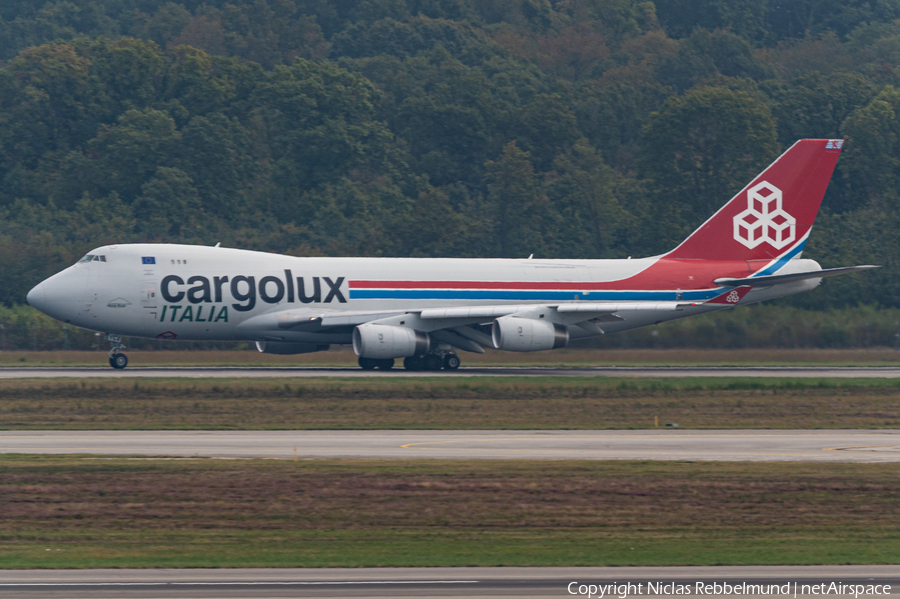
[{"x": 217, "y": 244}]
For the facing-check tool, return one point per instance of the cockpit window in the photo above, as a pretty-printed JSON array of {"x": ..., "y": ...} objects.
[{"x": 92, "y": 258}]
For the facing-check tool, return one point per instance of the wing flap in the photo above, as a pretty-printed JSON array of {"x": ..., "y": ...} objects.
[
  {"x": 472, "y": 312},
  {"x": 316, "y": 320},
  {"x": 609, "y": 308}
]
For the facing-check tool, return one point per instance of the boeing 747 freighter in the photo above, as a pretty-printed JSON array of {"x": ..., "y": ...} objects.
[{"x": 422, "y": 309}]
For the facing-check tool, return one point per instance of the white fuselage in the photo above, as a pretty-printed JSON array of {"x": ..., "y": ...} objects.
[{"x": 211, "y": 293}]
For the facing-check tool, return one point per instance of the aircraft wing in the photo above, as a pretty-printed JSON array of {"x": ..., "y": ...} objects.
[
  {"x": 460, "y": 325},
  {"x": 432, "y": 319},
  {"x": 765, "y": 281},
  {"x": 448, "y": 317}
]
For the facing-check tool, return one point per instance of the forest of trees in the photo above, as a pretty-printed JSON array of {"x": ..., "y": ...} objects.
[{"x": 562, "y": 128}]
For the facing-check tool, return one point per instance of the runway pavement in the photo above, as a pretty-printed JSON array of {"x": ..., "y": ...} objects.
[
  {"x": 609, "y": 371},
  {"x": 418, "y": 582},
  {"x": 693, "y": 445}
]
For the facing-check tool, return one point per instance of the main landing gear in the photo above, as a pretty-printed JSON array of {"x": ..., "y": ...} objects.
[
  {"x": 372, "y": 364},
  {"x": 427, "y": 362},
  {"x": 116, "y": 359},
  {"x": 432, "y": 362}
]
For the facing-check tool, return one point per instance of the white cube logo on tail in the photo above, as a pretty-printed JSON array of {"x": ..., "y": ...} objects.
[{"x": 764, "y": 219}]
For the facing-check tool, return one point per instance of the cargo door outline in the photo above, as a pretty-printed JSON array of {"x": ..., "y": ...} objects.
[{"x": 149, "y": 299}]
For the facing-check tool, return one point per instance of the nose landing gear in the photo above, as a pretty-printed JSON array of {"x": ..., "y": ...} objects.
[{"x": 116, "y": 359}]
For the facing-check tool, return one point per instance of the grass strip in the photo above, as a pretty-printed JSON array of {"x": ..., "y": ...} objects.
[
  {"x": 448, "y": 403},
  {"x": 398, "y": 548},
  {"x": 77, "y": 512}
]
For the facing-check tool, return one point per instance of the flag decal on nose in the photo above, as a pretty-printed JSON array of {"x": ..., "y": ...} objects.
[{"x": 148, "y": 260}]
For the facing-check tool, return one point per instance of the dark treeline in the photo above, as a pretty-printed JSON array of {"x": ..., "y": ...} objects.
[{"x": 577, "y": 128}]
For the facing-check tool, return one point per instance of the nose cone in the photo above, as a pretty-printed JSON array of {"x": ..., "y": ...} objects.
[
  {"x": 35, "y": 297},
  {"x": 59, "y": 296}
]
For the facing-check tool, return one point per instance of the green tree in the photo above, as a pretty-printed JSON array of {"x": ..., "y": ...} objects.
[
  {"x": 51, "y": 102},
  {"x": 444, "y": 110},
  {"x": 796, "y": 18},
  {"x": 436, "y": 229},
  {"x": 197, "y": 83},
  {"x": 32, "y": 247},
  {"x": 100, "y": 221},
  {"x": 613, "y": 110},
  {"x": 580, "y": 189},
  {"x": 746, "y": 18},
  {"x": 616, "y": 20},
  {"x": 516, "y": 205},
  {"x": 215, "y": 152},
  {"x": 816, "y": 105},
  {"x": 873, "y": 146},
  {"x": 269, "y": 32},
  {"x": 169, "y": 206},
  {"x": 546, "y": 127},
  {"x": 319, "y": 124},
  {"x": 406, "y": 39},
  {"x": 131, "y": 150},
  {"x": 701, "y": 149},
  {"x": 166, "y": 23},
  {"x": 706, "y": 54},
  {"x": 129, "y": 71}
]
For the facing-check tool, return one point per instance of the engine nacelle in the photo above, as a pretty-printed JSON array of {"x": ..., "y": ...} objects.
[
  {"x": 380, "y": 342},
  {"x": 526, "y": 334},
  {"x": 286, "y": 348}
]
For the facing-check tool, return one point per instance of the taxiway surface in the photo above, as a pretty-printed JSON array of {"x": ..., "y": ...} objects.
[
  {"x": 415, "y": 582},
  {"x": 705, "y": 445},
  {"x": 850, "y": 372}
]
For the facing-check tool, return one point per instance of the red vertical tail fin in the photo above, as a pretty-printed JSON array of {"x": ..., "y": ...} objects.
[{"x": 773, "y": 215}]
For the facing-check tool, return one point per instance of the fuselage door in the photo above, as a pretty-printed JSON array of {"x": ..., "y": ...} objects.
[{"x": 149, "y": 299}]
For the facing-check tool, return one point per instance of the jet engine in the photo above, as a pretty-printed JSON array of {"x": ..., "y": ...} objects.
[
  {"x": 285, "y": 348},
  {"x": 525, "y": 334},
  {"x": 380, "y": 342}
]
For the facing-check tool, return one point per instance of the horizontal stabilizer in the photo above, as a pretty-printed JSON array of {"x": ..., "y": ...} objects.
[{"x": 798, "y": 276}]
